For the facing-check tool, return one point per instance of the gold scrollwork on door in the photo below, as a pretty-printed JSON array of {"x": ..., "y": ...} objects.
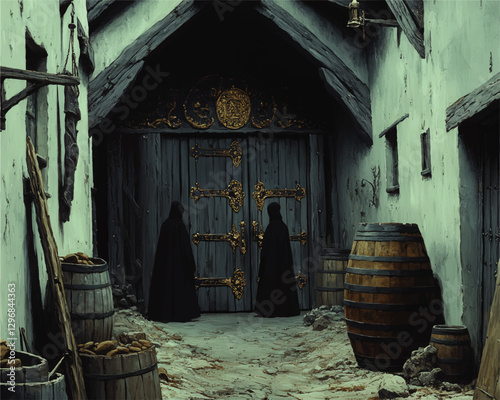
[
  {"x": 301, "y": 280},
  {"x": 235, "y": 238},
  {"x": 236, "y": 282},
  {"x": 261, "y": 193},
  {"x": 234, "y": 152},
  {"x": 258, "y": 235},
  {"x": 234, "y": 193}
]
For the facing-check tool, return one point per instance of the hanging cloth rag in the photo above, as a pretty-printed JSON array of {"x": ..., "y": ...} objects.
[{"x": 72, "y": 116}]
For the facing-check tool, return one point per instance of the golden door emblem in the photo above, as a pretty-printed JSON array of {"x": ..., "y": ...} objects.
[{"x": 233, "y": 108}]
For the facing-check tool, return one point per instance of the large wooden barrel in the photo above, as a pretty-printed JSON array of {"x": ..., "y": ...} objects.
[
  {"x": 454, "y": 352},
  {"x": 33, "y": 369},
  {"x": 90, "y": 300},
  {"x": 54, "y": 389},
  {"x": 122, "y": 376},
  {"x": 330, "y": 277},
  {"x": 389, "y": 281}
]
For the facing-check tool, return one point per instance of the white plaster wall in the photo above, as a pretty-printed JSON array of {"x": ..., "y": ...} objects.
[
  {"x": 462, "y": 52},
  {"x": 112, "y": 38},
  {"x": 42, "y": 20}
]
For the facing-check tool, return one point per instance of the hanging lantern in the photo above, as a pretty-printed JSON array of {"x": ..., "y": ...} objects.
[{"x": 354, "y": 19}]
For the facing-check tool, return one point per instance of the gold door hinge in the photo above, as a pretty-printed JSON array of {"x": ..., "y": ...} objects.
[
  {"x": 261, "y": 193},
  {"x": 234, "y": 193},
  {"x": 235, "y": 238},
  {"x": 234, "y": 152},
  {"x": 236, "y": 282}
]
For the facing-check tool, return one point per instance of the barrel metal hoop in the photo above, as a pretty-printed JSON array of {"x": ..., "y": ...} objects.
[
  {"x": 83, "y": 268},
  {"x": 382, "y": 307},
  {"x": 122, "y": 375},
  {"x": 87, "y": 287},
  {"x": 449, "y": 331},
  {"x": 402, "y": 228},
  {"x": 328, "y": 271},
  {"x": 372, "y": 339},
  {"x": 386, "y": 290},
  {"x": 92, "y": 315},
  {"x": 329, "y": 289},
  {"x": 376, "y": 237},
  {"x": 376, "y": 327},
  {"x": 406, "y": 260},
  {"x": 389, "y": 272},
  {"x": 450, "y": 342}
]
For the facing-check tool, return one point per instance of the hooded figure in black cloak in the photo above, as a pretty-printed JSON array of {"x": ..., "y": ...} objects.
[
  {"x": 172, "y": 295},
  {"x": 277, "y": 290}
]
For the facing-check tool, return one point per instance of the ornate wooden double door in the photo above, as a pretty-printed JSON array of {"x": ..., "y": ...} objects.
[{"x": 231, "y": 183}]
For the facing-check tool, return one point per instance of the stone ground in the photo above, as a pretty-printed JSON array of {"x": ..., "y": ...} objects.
[{"x": 239, "y": 356}]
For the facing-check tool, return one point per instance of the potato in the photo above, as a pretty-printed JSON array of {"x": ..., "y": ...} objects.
[
  {"x": 112, "y": 352},
  {"x": 135, "y": 349},
  {"x": 105, "y": 346},
  {"x": 122, "y": 350},
  {"x": 146, "y": 343}
]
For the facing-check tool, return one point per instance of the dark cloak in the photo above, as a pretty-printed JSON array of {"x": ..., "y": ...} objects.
[
  {"x": 172, "y": 294},
  {"x": 277, "y": 290}
]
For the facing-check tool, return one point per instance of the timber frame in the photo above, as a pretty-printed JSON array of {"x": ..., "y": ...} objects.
[
  {"x": 38, "y": 80},
  {"x": 108, "y": 87},
  {"x": 472, "y": 103}
]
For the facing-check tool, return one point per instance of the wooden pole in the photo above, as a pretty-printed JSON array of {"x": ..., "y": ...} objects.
[
  {"x": 488, "y": 381},
  {"x": 73, "y": 364}
]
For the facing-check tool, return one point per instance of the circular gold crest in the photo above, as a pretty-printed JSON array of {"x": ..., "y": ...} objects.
[{"x": 233, "y": 108}]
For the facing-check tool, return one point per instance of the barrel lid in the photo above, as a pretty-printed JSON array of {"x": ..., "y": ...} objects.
[
  {"x": 388, "y": 227},
  {"x": 99, "y": 266},
  {"x": 450, "y": 329}
]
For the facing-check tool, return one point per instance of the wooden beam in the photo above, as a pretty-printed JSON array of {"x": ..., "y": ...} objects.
[
  {"x": 342, "y": 3},
  {"x": 408, "y": 24},
  {"x": 488, "y": 380},
  {"x": 106, "y": 88},
  {"x": 96, "y": 8},
  {"x": 359, "y": 108},
  {"x": 416, "y": 8},
  {"x": 393, "y": 125},
  {"x": 476, "y": 101},
  {"x": 341, "y": 79},
  {"x": 74, "y": 372},
  {"x": 35, "y": 76},
  {"x": 8, "y": 104}
]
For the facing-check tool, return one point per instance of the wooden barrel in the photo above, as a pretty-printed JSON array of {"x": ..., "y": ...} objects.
[
  {"x": 54, "y": 389},
  {"x": 131, "y": 376},
  {"x": 33, "y": 369},
  {"x": 388, "y": 282},
  {"x": 330, "y": 277},
  {"x": 90, "y": 300},
  {"x": 454, "y": 352}
]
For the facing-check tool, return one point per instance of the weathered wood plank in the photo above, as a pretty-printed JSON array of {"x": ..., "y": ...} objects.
[
  {"x": 408, "y": 24},
  {"x": 394, "y": 124},
  {"x": 416, "y": 8},
  {"x": 347, "y": 84},
  {"x": 360, "y": 108},
  {"x": 73, "y": 364},
  {"x": 36, "y": 76},
  {"x": 488, "y": 381},
  {"x": 471, "y": 104},
  {"x": 96, "y": 8},
  {"x": 106, "y": 88}
]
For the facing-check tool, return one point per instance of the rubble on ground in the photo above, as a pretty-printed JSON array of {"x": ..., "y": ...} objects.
[{"x": 323, "y": 317}]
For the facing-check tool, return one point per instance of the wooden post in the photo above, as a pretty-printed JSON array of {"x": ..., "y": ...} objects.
[
  {"x": 488, "y": 381},
  {"x": 74, "y": 372}
]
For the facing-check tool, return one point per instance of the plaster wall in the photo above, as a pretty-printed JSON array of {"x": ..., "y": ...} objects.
[
  {"x": 461, "y": 40},
  {"x": 42, "y": 20},
  {"x": 111, "y": 39}
]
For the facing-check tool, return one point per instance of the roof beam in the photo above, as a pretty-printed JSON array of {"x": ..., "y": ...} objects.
[
  {"x": 106, "y": 89},
  {"x": 407, "y": 23},
  {"x": 472, "y": 103},
  {"x": 339, "y": 79}
]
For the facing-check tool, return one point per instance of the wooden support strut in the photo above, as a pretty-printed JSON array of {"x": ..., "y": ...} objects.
[
  {"x": 38, "y": 80},
  {"x": 73, "y": 364}
]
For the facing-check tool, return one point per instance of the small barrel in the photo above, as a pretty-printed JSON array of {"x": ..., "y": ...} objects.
[
  {"x": 389, "y": 279},
  {"x": 53, "y": 389},
  {"x": 90, "y": 300},
  {"x": 330, "y": 277},
  {"x": 454, "y": 352},
  {"x": 131, "y": 376},
  {"x": 33, "y": 368}
]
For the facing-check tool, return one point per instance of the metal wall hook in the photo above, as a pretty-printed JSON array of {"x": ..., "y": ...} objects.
[{"x": 374, "y": 199}]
